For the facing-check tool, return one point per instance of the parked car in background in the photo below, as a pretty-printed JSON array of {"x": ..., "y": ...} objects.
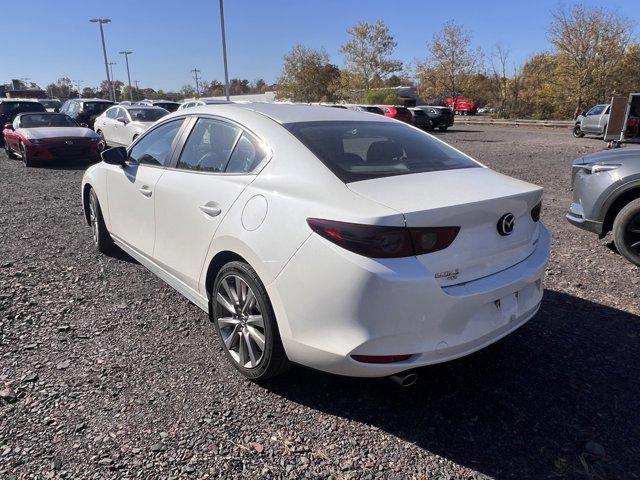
[
  {"x": 10, "y": 107},
  {"x": 302, "y": 231},
  {"x": 486, "y": 110},
  {"x": 168, "y": 105},
  {"x": 606, "y": 197},
  {"x": 85, "y": 110},
  {"x": 120, "y": 125},
  {"x": 51, "y": 104},
  {"x": 39, "y": 138},
  {"x": 595, "y": 121},
  {"x": 198, "y": 102},
  {"x": 366, "y": 108},
  {"x": 441, "y": 117},
  {"x": 397, "y": 112},
  {"x": 421, "y": 119},
  {"x": 461, "y": 106}
]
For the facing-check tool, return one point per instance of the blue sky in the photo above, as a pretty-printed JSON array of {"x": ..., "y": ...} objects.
[{"x": 54, "y": 37}]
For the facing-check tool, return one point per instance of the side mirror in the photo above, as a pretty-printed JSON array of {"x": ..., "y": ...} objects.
[
  {"x": 122, "y": 120},
  {"x": 115, "y": 156},
  {"x": 8, "y": 126}
]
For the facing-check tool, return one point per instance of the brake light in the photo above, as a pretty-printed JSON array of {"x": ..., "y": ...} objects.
[{"x": 376, "y": 241}]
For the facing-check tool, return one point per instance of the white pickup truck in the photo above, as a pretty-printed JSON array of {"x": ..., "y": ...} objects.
[{"x": 594, "y": 121}]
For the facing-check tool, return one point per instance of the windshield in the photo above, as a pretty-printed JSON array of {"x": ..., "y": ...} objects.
[
  {"x": 13, "y": 108},
  {"x": 46, "y": 120},
  {"x": 50, "y": 103},
  {"x": 96, "y": 108},
  {"x": 363, "y": 150},
  {"x": 147, "y": 114}
]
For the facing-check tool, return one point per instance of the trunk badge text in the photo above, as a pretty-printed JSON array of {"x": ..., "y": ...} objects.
[
  {"x": 449, "y": 274},
  {"x": 506, "y": 224}
]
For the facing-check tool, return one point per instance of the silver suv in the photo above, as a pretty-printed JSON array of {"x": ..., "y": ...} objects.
[
  {"x": 594, "y": 121},
  {"x": 606, "y": 197}
]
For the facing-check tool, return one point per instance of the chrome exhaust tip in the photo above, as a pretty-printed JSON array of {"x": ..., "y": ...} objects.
[{"x": 404, "y": 379}]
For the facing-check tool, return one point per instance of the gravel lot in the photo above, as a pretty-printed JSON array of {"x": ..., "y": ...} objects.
[{"x": 117, "y": 375}]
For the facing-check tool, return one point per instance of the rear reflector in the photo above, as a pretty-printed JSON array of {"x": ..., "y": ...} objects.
[
  {"x": 380, "y": 358},
  {"x": 376, "y": 241}
]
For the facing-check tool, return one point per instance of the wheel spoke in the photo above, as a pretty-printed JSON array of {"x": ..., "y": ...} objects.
[
  {"x": 230, "y": 340},
  {"x": 635, "y": 245},
  {"x": 252, "y": 355},
  {"x": 228, "y": 322},
  {"x": 242, "y": 354},
  {"x": 225, "y": 303},
  {"x": 248, "y": 302},
  {"x": 256, "y": 321},
  {"x": 231, "y": 294},
  {"x": 257, "y": 337}
]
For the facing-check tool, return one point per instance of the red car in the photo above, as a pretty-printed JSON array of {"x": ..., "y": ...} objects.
[
  {"x": 399, "y": 113},
  {"x": 42, "y": 137}
]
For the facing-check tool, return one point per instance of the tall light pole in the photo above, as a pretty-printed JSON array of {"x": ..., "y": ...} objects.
[
  {"x": 102, "y": 21},
  {"x": 126, "y": 59},
  {"x": 224, "y": 52},
  {"x": 195, "y": 72}
]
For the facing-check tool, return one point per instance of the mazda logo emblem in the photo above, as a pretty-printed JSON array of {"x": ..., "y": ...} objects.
[
  {"x": 69, "y": 142},
  {"x": 506, "y": 224}
]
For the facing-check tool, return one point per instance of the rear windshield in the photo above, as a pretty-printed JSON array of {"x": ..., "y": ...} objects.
[
  {"x": 377, "y": 110},
  {"x": 402, "y": 110},
  {"x": 50, "y": 103},
  {"x": 170, "y": 107},
  {"x": 363, "y": 150},
  {"x": 13, "y": 108},
  {"x": 147, "y": 114},
  {"x": 96, "y": 107},
  {"x": 46, "y": 120}
]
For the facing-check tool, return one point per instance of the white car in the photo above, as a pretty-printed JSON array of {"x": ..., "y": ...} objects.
[
  {"x": 199, "y": 102},
  {"x": 122, "y": 124},
  {"x": 347, "y": 242}
]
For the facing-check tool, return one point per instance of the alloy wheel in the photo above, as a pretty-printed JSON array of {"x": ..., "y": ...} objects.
[
  {"x": 632, "y": 234},
  {"x": 240, "y": 321},
  {"x": 93, "y": 218}
]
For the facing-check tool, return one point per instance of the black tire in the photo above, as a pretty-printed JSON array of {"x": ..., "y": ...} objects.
[
  {"x": 101, "y": 238},
  {"x": 9, "y": 152},
  {"x": 577, "y": 131},
  {"x": 626, "y": 232},
  {"x": 443, "y": 128},
  {"x": 273, "y": 360},
  {"x": 28, "y": 162}
]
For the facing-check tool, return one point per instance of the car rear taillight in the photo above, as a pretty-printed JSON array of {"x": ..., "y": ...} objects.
[
  {"x": 376, "y": 241},
  {"x": 535, "y": 212}
]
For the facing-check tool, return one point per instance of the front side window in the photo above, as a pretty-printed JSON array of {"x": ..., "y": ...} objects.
[
  {"x": 155, "y": 147},
  {"x": 121, "y": 114},
  {"x": 111, "y": 113},
  {"x": 209, "y": 146},
  {"x": 356, "y": 151},
  {"x": 597, "y": 110}
]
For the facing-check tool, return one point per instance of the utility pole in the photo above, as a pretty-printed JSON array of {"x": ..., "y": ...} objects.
[
  {"x": 224, "y": 52},
  {"x": 102, "y": 21},
  {"x": 78, "y": 82},
  {"x": 113, "y": 79},
  {"x": 195, "y": 72},
  {"x": 126, "y": 59},
  {"x": 137, "y": 89}
]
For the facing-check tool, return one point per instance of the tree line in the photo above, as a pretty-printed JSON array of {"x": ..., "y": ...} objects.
[{"x": 590, "y": 57}]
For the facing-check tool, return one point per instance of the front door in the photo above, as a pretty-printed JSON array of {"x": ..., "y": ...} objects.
[{"x": 132, "y": 189}]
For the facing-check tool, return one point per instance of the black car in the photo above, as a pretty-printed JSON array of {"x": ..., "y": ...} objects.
[
  {"x": 166, "y": 104},
  {"x": 441, "y": 117},
  {"x": 85, "y": 110},
  {"x": 421, "y": 119},
  {"x": 10, "y": 107}
]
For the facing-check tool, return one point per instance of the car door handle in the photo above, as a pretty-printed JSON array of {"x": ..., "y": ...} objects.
[
  {"x": 211, "y": 209},
  {"x": 146, "y": 191}
]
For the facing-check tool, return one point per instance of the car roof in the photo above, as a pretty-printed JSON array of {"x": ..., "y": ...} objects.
[
  {"x": 91, "y": 100},
  {"x": 293, "y": 113},
  {"x": 138, "y": 107},
  {"x": 34, "y": 100}
]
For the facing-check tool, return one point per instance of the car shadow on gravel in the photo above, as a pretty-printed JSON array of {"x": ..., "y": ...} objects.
[{"x": 560, "y": 397}]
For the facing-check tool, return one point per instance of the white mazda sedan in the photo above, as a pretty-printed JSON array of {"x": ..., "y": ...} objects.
[{"x": 344, "y": 241}]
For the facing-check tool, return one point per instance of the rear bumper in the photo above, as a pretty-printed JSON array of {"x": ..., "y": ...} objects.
[{"x": 351, "y": 305}]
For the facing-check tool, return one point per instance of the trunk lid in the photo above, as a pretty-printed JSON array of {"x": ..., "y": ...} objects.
[{"x": 474, "y": 199}]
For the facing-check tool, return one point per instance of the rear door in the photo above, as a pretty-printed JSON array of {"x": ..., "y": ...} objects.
[{"x": 213, "y": 169}]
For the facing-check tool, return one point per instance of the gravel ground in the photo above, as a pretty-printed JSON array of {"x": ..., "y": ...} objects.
[{"x": 107, "y": 372}]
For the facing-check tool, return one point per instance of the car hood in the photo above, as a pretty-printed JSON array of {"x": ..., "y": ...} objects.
[
  {"x": 57, "y": 132},
  {"x": 618, "y": 155}
]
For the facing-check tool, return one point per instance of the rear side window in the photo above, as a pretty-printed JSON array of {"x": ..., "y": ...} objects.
[
  {"x": 111, "y": 113},
  {"x": 155, "y": 147},
  {"x": 209, "y": 146},
  {"x": 356, "y": 151},
  {"x": 246, "y": 156}
]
